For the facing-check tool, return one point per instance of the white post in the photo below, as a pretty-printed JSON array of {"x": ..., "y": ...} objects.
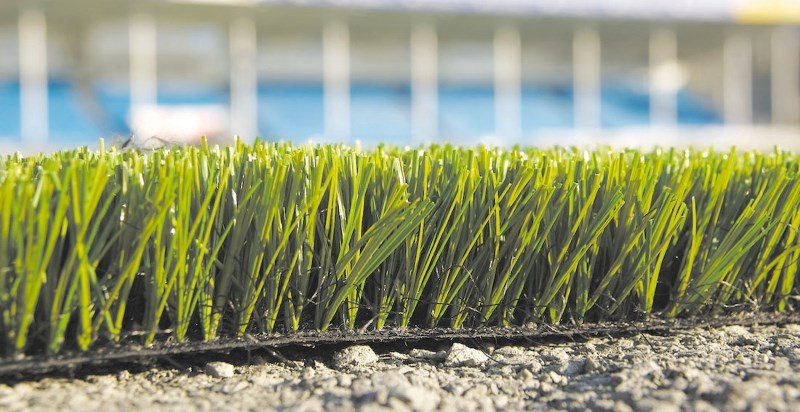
[
  {"x": 737, "y": 79},
  {"x": 34, "y": 114},
  {"x": 424, "y": 84},
  {"x": 664, "y": 81},
  {"x": 244, "y": 79},
  {"x": 508, "y": 84},
  {"x": 785, "y": 66},
  {"x": 586, "y": 79},
  {"x": 143, "y": 69},
  {"x": 336, "y": 73}
]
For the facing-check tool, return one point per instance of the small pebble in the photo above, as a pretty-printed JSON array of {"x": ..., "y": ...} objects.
[
  {"x": 219, "y": 369},
  {"x": 428, "y": 355},
  {"x": 357, "y": 355},
  {"x": 461, "y": 355}
]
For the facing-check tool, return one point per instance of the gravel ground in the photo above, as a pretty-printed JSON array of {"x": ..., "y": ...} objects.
[{"x": 729, "y": 368}]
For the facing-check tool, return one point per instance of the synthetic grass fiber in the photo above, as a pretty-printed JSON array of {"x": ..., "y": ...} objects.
[{"x": 207, "y": 242}]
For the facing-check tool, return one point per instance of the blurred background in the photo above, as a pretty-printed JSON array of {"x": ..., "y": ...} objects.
[{"x": 503, "y": 72}]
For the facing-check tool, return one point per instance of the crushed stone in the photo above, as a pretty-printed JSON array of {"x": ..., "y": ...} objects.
[
  {"x": 357, "y": 355},
  {"x": 219, "y": 369},
  {"x": 729, "y": 368},
  {"x": 462, "y": 355}
]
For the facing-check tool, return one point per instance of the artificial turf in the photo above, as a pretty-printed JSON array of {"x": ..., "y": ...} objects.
[{"x": 210, "y": 241}]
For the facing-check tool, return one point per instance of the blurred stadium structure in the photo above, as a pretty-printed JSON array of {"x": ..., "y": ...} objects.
[{"x": 401, "y": 71}]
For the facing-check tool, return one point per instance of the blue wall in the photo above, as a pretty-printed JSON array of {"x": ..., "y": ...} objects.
[{"x": 379, "y": 112}]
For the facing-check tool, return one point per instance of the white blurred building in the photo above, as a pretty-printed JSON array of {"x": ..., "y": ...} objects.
[{"x": 400, "y": 71}]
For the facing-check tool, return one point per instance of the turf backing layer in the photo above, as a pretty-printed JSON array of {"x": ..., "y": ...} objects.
[{"x": 118, "y": 356}]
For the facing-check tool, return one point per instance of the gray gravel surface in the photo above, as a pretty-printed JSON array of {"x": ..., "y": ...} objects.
[{"x": 729, "y": 368}]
